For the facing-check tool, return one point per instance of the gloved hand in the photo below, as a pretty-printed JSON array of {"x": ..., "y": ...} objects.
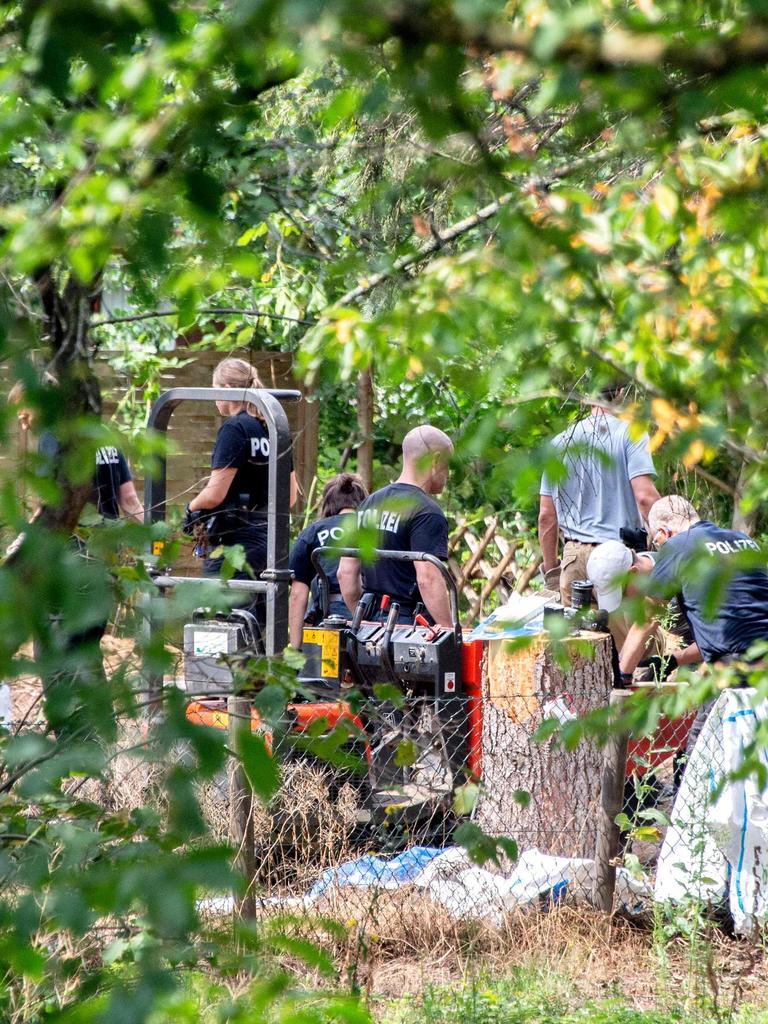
[
  {"x": 191, "y": 520},
  {"x": 663, "y": 667},
  {"x": 551, "y": 577}
]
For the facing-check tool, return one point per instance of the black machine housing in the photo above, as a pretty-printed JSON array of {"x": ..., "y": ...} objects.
[{"x": 423, "y": 661}]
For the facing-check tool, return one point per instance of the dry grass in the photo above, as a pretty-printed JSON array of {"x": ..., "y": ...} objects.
[
  {"x": 398, "y": 943},
  {"x": 308, "y": 826}
]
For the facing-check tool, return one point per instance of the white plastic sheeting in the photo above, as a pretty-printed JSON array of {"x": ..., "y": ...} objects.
[
  {"x": 6, "y": 707},
  {"x": 467, "y": 891},
  {"x": 716, "y": 847}
]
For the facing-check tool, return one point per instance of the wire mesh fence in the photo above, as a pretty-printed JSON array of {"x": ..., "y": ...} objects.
[
  {"x": 398, "y": 828},
  {"x": 402, "y": 821}
]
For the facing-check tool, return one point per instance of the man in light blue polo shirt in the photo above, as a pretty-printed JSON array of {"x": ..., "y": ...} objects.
[{"x": 608, "y": 485}]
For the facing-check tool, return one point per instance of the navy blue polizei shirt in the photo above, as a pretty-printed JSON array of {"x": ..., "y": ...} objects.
[
  {"x": 320, "y": 534},
  {"x": 242, "y": 443},
  {"x": 112, "y": 471},
  {"x": 406, "y": 519},
  {"x": 727, "y": 606}
]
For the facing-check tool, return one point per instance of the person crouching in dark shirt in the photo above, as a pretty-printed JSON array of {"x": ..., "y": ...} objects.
[
  {"x": 341, "y": 496},
  {"x": 407, "y": 518}
]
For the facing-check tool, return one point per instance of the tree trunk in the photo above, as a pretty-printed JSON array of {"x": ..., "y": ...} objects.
[
  {"x": 365, "y": 427},
  {"x": 521, "y": 689},
  {"x": 744, "y": 521},
  {"x": 70, "y": 370}
]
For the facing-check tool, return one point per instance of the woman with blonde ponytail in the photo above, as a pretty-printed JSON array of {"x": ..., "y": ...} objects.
[{"x": 234, "y": 501}]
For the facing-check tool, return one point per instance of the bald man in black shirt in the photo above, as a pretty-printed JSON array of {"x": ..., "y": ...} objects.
[{"x": 407, "y": 518}]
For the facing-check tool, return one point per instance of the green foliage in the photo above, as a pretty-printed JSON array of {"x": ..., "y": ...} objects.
[
  {"x": 528, "y": 996},
  {"x": 500, "y": 208},
  {"x": 483, "y": 848}
]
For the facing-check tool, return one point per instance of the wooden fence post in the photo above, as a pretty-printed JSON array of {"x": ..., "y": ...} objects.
[
  {"x": 611, "y": 803},
  {"x": 241, "y": 805}
]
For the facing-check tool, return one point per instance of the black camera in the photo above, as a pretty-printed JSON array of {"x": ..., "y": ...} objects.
[
  {"x": 581, "y": 614},
  {"x": 636, "y": 539}
]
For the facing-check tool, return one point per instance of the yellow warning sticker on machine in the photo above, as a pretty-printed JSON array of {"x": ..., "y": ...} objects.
[{"x": 328, "y": 642}]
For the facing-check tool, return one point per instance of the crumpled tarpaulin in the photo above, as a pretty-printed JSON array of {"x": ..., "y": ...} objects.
[
  {"x": 468, "y": 891},
  {"x": 716, "y": 848}
]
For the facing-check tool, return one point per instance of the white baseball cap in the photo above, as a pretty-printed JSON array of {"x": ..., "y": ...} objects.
[{"x": 607, "y": 563}]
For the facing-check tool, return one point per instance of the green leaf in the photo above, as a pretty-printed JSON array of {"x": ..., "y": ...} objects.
[
  {"x": 548, "y": 728},
  {"x": 259, "y": 765},
  {"x": 482, "y": 847},
  {"x": 389, "y": 693},
  {"x": 406, "y": 753},
  {"x": 257, "y": 231},
  {"x": 465, "y": 798},
  {"x": 270, "y": 702},
  {"x": 647, "y": 834}
]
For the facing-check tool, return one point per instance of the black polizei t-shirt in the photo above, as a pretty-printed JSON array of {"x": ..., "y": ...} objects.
[
  {"x": 111, "y": 473},
  {"x": 726, "y": 605},
  {"x": 242, "y": 443},
  {"x": 323, "y": 533},
  {"x": 406, "y": 519}
]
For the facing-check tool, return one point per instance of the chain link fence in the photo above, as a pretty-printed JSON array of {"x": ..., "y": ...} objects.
[
  {"x": 407, "y": 821},
  {"x": 399, "y": 831}
]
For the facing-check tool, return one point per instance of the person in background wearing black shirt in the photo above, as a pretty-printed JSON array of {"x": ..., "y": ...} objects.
[
  {"x": 113, "y": 488},
  {"x": 341, "y": 496},
  {"x": 233, "y": 503},
  {"x": 113, "y": 492},
  {"x": 407, "y": 519}
]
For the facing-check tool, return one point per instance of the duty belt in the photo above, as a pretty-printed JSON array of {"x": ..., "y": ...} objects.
[{"x": 405, "y": 605}]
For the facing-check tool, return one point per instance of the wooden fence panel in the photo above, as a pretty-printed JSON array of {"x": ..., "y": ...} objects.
[{"x": 489, "y": 568}]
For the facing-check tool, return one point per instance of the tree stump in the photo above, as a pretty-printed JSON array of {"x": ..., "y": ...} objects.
[{"x": 521, "y": 688}]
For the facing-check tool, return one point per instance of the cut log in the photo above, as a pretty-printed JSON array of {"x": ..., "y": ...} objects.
[{"x": 521, "y": 688}]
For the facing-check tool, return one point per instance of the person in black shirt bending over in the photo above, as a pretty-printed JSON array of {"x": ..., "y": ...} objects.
[
  {"x": 341, "y": 496},
  {"x": 233, "y": 504},
  {"x": 407, "y": 519}
]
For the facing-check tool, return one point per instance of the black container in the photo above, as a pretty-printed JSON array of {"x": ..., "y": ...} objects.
[
  {"x": 553, "y": 613},
  {"x": 581, "y": 594}
]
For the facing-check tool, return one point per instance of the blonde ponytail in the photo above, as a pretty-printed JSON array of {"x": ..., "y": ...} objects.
[{"x": 238, "y": 373}]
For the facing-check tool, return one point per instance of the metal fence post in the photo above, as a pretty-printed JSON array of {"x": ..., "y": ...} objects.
[
  {"x": 241, "y": 805},
  {"x": 611, "y": 803}
]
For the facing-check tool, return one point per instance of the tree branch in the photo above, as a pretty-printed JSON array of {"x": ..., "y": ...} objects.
[
  {"x": 441, "y": 238},
  {"x": 223, "y": 310}
]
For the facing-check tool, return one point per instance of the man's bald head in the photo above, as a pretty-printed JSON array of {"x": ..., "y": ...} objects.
[{"x": 426, "y": 454}]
